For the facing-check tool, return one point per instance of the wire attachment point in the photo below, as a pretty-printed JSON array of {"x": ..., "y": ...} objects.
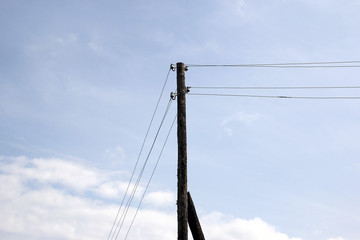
[
  {"x": 188, "y": 89},
  {"x": 172, "y": 67},
  {"x": 173, "y": 95}
]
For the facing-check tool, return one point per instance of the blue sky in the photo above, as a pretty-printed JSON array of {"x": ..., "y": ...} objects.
[{"x": 79, "y": 81}]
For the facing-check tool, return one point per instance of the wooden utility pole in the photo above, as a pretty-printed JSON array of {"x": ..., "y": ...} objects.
[
  {"x": 182, "y": 201},
  {"x": 194, "y": 222}
]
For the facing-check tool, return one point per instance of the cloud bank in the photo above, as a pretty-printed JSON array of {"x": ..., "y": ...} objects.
[{"x": 60, "y": 199}]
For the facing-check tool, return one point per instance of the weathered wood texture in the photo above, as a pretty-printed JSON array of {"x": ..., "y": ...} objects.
[
  {"x": 194, "y": 222},
  {"x": 182, "y": 202}
]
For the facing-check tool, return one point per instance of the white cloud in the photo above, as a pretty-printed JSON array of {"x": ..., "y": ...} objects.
[
  {"x": 114, "y": 189},
  {"x": 59, "y": 173},
  {"x": 161, "y": 198},
  {"x": 229, "y": 14},
  {"x": 219, "y": 226},
  {"x": 239, "y": 117},
  {"x": 242, "y": 117},
  {"x": 233, "y": 6},
  {"x": 67, "y": 39},
  {"x": 51, "y": 171},
  {"x": 93, "y": 46},
  {"x": 32, "y": 205},
  {"x": 50, "y": 213},
  {"x": 238, "y": 5},
  {"x": 115, "y": 152}
]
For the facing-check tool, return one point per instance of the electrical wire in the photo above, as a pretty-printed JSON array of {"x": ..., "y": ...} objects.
[
  {"x": 266, "y": 96},
  {"x": 124, "y": 214},
  {"x": 111, "y": 234},
  {"x": 280, "y": 66},
  {"x": 285, "y": 65},
  {"x": 271, "y": 88},
  {"x": 152, "y": 174}
]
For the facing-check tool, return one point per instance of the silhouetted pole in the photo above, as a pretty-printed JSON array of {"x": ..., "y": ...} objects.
[
  {"x": 182, "y": 201},
  {"x": 194, "y": 222}
]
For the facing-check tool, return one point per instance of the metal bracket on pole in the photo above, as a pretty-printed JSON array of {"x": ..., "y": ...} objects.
[{"x": 172, "y": 67}]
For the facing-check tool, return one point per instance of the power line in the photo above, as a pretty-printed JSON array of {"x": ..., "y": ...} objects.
[
  {"x": 124, "y": 214},
  {"x": 267, "y": 96},
  {"x": 271, "y": 88},
  {"x": 111, "y": 234},
  {"x": 152, "y": 174},
  {"x": 280, "y": 66},
  {"x": 286, "y": 65}
]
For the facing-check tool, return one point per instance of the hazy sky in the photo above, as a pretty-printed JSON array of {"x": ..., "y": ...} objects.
[{"x": 79, "y": 81}]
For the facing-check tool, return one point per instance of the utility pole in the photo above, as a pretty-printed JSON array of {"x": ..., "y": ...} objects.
[
  {"x": 194, "y": 222},
  {"x": 182, "y": 200}
]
